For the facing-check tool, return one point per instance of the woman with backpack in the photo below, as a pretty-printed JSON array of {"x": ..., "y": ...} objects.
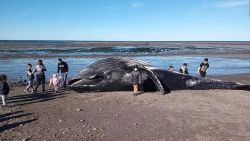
[{"x": 40, "y": 75}]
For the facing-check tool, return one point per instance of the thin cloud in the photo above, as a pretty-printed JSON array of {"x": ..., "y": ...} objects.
[
  {"x": 114, "y": 8},
  {"x": 136, "y": 5},
  {"x": 131, "y": 5},
  {"x": 231, "y": 4}
]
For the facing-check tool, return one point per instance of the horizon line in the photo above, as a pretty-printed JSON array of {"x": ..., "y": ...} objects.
[{"x": 129, "y": 40}]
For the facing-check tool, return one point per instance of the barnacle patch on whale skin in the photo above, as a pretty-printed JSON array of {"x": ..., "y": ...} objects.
[
  {"x": 127, "y": 77},
  {"x": 191, "y": 83}
]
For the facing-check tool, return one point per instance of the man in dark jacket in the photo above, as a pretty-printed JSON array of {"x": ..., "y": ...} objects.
[
  {"x": 135, "y": 79},
  {"x": 202, "y": 70},
  {"x": 63, "y": 69}
]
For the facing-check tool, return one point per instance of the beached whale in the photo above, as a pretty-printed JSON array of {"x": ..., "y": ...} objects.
[{"x": 113, "y": 74}]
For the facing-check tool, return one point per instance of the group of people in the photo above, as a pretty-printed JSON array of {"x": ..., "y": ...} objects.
[
  {"x": 202, "y": 70},
  {"x": 136, "y": 76},
  {"x": 39, "y": 74}
]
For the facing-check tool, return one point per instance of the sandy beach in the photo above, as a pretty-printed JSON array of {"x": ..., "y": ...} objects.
[
  {"x": 100, "y": 50},
  {"x": 181, "y": 115}
]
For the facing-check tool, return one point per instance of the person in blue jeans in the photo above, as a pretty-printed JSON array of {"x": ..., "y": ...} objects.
[
  {"x": 30, "y": 77},
  {"x": 63, "y": 69}
]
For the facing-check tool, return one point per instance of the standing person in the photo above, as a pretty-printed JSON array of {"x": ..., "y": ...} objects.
[
  {"x": 63, "y": 69},
  {"x": 30, "y": 77},
  {"x": 4, "y": 89},
  {"x": 135, "y": 79},
  {"x": 40, "y": 75},
  {"x": 202, "y": 70},
  {"x": 171, "y": 68},
  {"x": 184, "y": 69}
]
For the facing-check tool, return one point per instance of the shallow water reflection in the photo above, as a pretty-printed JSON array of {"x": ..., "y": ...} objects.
[{"x": 15, "y": 68}]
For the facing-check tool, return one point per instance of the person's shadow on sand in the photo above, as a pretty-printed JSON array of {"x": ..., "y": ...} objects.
[
  {"x": 8, "y": 117},
  {"x": 25, "y": 99}
]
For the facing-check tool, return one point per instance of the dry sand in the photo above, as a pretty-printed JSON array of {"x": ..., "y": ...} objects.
[{"x": 111, "y": 116}]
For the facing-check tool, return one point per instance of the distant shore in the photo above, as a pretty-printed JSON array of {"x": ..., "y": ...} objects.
[
  {"x": 58, "y": 44},
  {"x": 230, "y": 49}
]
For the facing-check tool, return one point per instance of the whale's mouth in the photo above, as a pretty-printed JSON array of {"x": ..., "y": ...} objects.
[
  {"x": 81, "y": 85},
  {"x": 72, "y": 81},
  {"x": 85, "y": 82},
  {"x": 92, "y": 80}
]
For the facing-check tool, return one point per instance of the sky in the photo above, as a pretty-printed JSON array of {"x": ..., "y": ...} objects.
[{"x": 125, "y": 20}]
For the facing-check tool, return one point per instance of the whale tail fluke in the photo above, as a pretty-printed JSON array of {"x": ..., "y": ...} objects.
[{"x": 243, "y": 87}]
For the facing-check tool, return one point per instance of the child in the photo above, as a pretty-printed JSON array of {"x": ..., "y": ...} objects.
[
  {"x": 135, "y": 79},
  {"x": 184, "y": 69},
  {"x": 55, "y": 80},
  {"x": 4, "y": 89},
  {"x": 30, "y": 77}
]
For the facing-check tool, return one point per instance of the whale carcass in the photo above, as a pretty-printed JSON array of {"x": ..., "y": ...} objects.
[{"x": 113, "y": 74}]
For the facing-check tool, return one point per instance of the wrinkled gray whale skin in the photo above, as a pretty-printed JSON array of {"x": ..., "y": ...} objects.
[{"x": 113, "y": 74}]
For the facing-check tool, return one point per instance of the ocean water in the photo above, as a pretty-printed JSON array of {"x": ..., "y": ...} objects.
[
  {"x": 14, "y": 55},
  {"x": 15, "y": 68}
]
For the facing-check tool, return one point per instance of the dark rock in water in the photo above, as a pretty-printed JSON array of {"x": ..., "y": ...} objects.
[{"x": 113, "y": 74}]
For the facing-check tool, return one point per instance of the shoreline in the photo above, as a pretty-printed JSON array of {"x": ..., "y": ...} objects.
[{"x": 243, "y": 78}]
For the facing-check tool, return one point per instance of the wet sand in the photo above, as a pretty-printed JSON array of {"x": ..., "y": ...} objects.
[
  {"x": 182, "y": 115},
  {"x": 59, "y": 44},
  {"x": 231, "y": 49}
]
